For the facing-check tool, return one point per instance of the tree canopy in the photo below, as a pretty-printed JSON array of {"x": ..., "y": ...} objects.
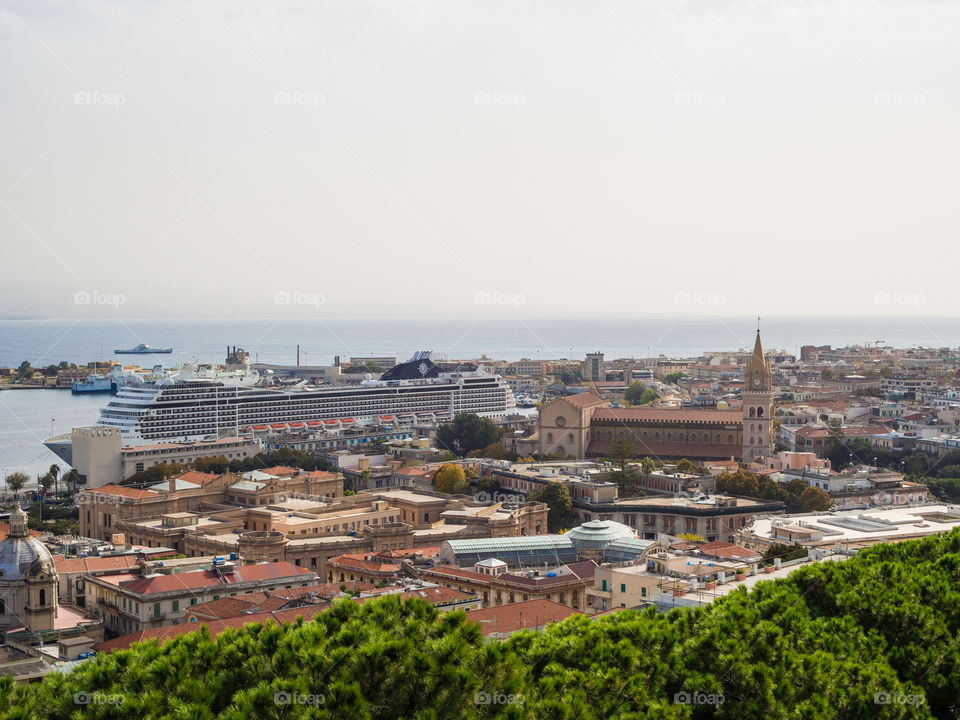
[
  {"x": 15, "y": 482},
  {"x": 873, "y": 636},
  {"x": 466, "y": 433},
  {"x": 450, "y": 479},
  {"x": 495, "y": 451},
  {"x": 796, "y": 494},
  {"x": 556, "y": 496},
  {"x": 639, "y": 394}
]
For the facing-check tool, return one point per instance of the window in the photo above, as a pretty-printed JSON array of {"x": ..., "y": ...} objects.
[
  {"x": 623, "y": 587},
  {"x": 643, "y": 592},
  {"x": 176, "y": 606},
  {"x": 193, "y": 601},
  {"x": 156, "y": 609}
]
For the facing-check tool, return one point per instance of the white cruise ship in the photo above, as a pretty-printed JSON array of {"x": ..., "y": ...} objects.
[{"x": 190, "y": 406}]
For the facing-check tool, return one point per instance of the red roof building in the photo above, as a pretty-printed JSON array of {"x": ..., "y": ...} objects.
[{"x": 131, "y": 603}]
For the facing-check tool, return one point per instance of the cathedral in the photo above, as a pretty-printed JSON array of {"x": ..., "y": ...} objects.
[
  {"x": 584, "y": 425},
  {"x": 28, "y": 579}
]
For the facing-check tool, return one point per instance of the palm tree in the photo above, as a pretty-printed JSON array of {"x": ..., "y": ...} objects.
[
  {"x": 46, "y": 482},
  {"x": 71, "y": 479},
  {"x": 55, "y": 474}
]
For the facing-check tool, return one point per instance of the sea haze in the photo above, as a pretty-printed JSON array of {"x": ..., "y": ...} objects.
[{"x": 506, "y": 338}]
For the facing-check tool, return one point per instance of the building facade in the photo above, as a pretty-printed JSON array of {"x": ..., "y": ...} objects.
[{"x": 757, "y": 406}]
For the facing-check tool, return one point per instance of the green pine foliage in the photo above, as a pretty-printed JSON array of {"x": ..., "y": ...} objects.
[{"x": 875, "y": 636}]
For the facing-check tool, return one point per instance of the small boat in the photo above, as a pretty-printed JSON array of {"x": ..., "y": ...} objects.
[{"x": 142, "y": 349}]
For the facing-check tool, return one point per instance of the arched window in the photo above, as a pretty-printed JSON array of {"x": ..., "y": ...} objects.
[
  {"x": 549, "y": 437},
  {"x": 3, "y": 606},
  {"x": 752, "y": 411},
  {"x": 759, "y": 412},
  {"x": 569, "y": 437},
  {"x": 43, "y": 597},
  {"x": 609, "y": 435},
  {"x": 669, "y": 437},
  {"x": 730, "y": 438},
  {"x": 657, "y": 437}
]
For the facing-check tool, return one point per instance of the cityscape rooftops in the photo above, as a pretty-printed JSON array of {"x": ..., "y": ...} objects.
[
  {"x": 529, "y": 615},
  {"x": 857, "y": 527}
]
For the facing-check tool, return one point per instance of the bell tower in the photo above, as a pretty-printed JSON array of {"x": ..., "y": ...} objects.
[{"x": 757, "y": 405}]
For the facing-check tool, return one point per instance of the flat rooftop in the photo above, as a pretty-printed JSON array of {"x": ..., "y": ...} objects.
[{"x": 868, "y": 525}]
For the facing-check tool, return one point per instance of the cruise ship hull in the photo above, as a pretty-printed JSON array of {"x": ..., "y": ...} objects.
[
  {"x": 194, "y": 407},
  {"x": 61, "y": 446}
]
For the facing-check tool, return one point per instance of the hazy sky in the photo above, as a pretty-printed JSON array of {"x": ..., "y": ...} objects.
[{"x": 213, "y": 158}]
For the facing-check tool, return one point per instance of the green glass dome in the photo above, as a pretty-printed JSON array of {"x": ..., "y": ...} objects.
[{"x": 597, "y": 534}]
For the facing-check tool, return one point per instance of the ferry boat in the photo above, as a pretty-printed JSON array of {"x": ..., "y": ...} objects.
[
  {"x": 197, "y": 404},
  {"x": 142, "y": 349},
  {"x": 93, "y": 383}
]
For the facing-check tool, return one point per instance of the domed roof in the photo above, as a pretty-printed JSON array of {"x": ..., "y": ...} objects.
[
  {"x": 22, "y": 556},
  {"x": 597, "y": 534}
]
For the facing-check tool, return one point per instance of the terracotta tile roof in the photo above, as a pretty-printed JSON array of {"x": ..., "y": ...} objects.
[
  {"x": 426, "y": 552},
  {"x": 584, "y": 400},
  {"x": 363, "y": 563},
  {"x": 727, "y": 551},
  {"x": 436, "y": 596},
  {"x": 5, "y": 530},
  {"x": 209, "y": 578},
  {"x": 455, "y": 572},
  {"x": 195, "y": 476},
  {"x": 281, "y": 470},
  {"x": 215, "y": 627},
  {"x": 93, "y": 564},
  {"x": 123, "y": 491},
  {"x": 239, "y": 605},
  {"x": 645, "y": 414},
  {"x": 531, "y": 614},
  {"x": 316, "y": 475},
  {"x": 583, "y": 569},
  {"x": 225, "y": 607},
  {"x": 851, "y": 431}
]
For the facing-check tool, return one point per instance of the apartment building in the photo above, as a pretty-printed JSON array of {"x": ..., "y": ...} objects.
[{"x": 135, "y": 602}]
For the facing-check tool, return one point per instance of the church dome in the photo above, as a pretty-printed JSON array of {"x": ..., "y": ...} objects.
[
  {"x": 22, "y": 556},
  {"x": 597, "y": 534}
]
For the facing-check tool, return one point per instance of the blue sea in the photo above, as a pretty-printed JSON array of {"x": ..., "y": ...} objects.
[
  {"x": 26, "y": 417},
  {"x": 49, "y": 341}
]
